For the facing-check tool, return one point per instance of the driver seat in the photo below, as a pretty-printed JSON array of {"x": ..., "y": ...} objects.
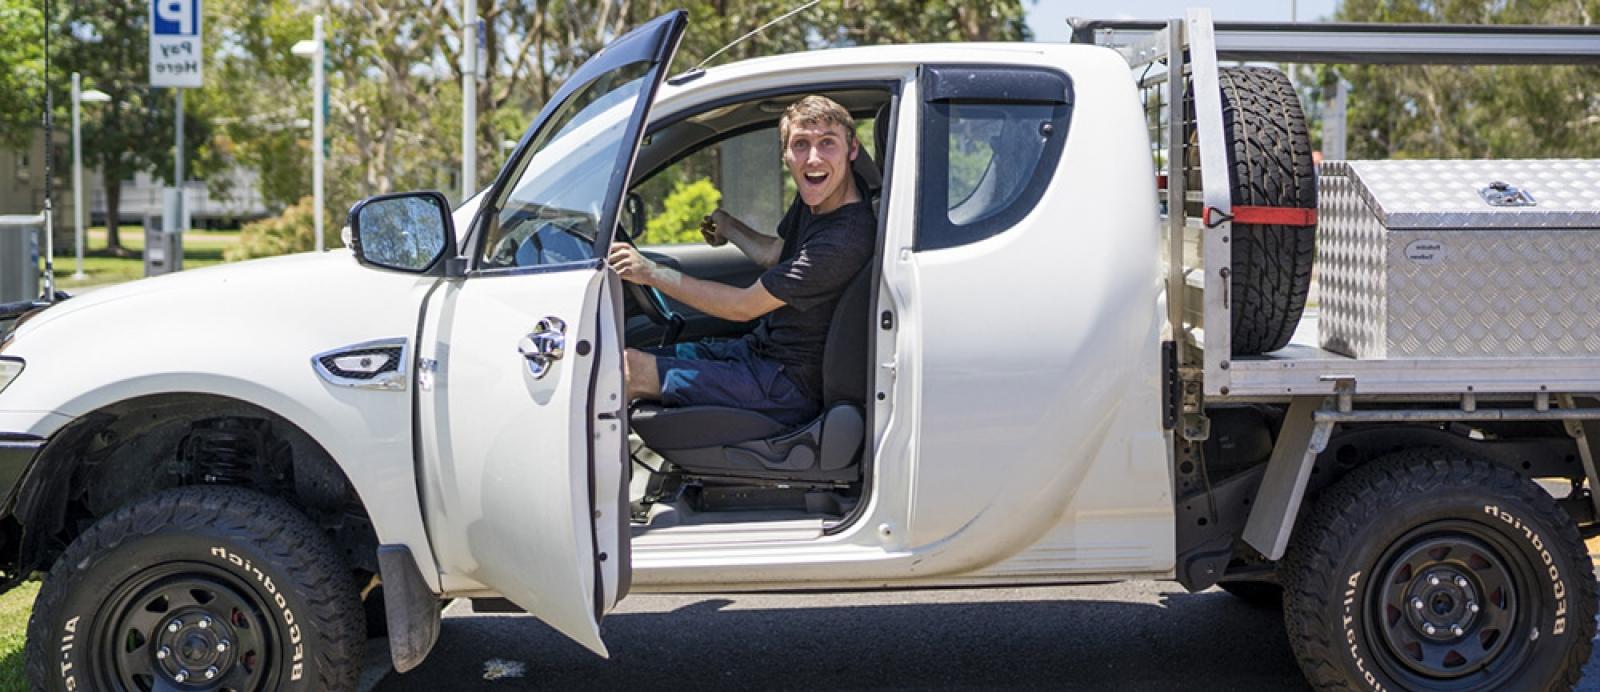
[{"x": 718, "y": 441}]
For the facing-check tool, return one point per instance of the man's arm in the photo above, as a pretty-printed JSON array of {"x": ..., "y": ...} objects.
[
  {"x": 710, "y": 297},
  {"x": 761, "y": 249}
]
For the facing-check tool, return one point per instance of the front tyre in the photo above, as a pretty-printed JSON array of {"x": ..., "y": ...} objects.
[
  {"x": 1422, "y": 571},
  {"x": 202, "y": 588}
]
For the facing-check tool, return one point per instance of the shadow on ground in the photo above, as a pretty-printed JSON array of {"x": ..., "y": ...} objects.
[{"x": 1189, "y": 641}]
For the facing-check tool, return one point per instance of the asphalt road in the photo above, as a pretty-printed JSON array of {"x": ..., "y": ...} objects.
[
  {"x": 1136, "y": 636},
  {"x": 1132, "y": 636}
]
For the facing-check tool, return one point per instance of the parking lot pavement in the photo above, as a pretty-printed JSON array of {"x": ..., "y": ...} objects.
[{"x": 1134, "y": 636}]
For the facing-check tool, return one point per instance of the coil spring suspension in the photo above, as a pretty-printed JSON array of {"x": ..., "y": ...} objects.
[{"x": 222, "y": 455}]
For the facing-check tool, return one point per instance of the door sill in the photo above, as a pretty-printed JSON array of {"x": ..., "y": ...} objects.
[{"x": 729, "y": 528}]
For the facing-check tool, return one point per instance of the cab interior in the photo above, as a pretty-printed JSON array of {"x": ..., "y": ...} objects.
[{"x": 702, "y": 465}]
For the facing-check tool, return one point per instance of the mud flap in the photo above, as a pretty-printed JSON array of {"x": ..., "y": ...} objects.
[{"x": 411, "y": 607}]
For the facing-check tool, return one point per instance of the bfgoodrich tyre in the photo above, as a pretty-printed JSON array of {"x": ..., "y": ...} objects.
[
  {"x": 1427, "y": 571},
  {"x": 205, "y": 588}
]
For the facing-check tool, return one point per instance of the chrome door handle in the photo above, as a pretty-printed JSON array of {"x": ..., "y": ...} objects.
[{"x": 546, "y": 345}]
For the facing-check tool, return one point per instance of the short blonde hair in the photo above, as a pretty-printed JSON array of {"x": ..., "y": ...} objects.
[{"x": 816, "y": 109}]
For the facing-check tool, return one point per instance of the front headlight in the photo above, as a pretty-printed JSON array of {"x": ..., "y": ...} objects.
[{"x": 9, "y": 369}]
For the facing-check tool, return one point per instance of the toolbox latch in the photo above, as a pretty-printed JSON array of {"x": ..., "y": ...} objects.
[{"x": 1502, "y": 194}]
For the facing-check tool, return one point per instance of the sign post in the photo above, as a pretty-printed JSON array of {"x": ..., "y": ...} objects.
[{"x": 176, "y": 58}]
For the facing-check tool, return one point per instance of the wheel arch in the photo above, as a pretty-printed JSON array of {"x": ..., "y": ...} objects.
[
  {"x": 132, "y": 447},
  {"x": 1214, "y": 515}
]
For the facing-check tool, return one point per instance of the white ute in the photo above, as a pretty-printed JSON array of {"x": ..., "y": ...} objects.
[{"x": 231, "y": 477}]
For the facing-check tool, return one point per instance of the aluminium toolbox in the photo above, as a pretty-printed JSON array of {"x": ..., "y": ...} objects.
[{"x": 1459, "y": 259}]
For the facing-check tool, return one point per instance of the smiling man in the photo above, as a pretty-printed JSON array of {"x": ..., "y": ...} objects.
[{"x": 823, "y": 241}]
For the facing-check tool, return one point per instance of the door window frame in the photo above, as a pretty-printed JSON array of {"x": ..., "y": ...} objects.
[{"x": 611, "y": 58}]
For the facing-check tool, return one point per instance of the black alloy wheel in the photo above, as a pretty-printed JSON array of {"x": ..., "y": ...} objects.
[
  {"x": 1447, "y": 604},
  {"x": 187, "y": 624}
]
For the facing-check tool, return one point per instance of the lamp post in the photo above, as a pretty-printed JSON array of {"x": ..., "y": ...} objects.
[
  {"x": 313, "y": 49},
  {"x": 78, "y": 217},
  {"x": 469, "y": 98}
]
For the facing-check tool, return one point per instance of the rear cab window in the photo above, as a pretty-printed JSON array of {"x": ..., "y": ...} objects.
[{"x": 991, "y": 138}]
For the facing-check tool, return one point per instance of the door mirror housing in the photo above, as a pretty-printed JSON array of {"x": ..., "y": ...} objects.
[{"x": 409, "y": 232}]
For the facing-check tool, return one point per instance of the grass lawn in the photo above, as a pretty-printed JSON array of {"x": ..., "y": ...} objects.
[
  {"x": 200, "y": 248},
  {"x": 14, "y": 609}
]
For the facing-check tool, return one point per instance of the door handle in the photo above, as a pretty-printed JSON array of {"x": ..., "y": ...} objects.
[{"x": 546, "y": 345}]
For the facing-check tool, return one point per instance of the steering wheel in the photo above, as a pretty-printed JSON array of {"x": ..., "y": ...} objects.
[{"x": 650, "y": 301}]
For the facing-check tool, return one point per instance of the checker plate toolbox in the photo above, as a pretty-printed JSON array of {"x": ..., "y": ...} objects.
[{"x": 1459, "y": 258}]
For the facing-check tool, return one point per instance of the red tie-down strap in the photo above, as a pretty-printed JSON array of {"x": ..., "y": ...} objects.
[{"x": 1266, "y": 216}]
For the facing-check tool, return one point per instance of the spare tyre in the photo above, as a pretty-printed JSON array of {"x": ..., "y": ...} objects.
[{"x": 1269, "y": 165}]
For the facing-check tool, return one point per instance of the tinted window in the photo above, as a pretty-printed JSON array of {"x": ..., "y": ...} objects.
[
  {"x": 985, "y": 163},
  {"x": 551, "y": 214}
]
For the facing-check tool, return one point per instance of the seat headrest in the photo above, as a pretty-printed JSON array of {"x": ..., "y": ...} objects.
[{"x": 867, "y": 174}]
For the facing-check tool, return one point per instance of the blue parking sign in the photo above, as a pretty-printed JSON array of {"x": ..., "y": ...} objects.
[
  {"x": 176, "y": 17},
  {"x": 175, "y": 49}
]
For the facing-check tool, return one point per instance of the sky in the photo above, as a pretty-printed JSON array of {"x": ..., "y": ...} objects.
[{"x": 1048, "y": 18}]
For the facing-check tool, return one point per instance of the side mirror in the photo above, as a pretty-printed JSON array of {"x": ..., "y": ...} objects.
[{"x": 408, "y": 232}]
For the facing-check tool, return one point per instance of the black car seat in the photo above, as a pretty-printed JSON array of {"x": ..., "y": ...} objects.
[{"x": 726, "y": 441}]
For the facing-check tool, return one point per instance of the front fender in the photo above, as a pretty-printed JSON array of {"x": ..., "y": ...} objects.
[{"x": 247, "y": 333}]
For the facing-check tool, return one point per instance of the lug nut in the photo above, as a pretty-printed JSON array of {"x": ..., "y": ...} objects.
[
  {"x": 1461, "y": 582},
  {"x": 222, "y": 647},
  {"x": 1455, "y": 630},
  {"x": 1433, "y": 580},
  {"x": 163, "y": 653},
  {"x": 174, "y": 626},
  {"x": 182, "y": 676},
  {"x": 1416, "y": 603},
  {"x": 204, "y": 622},
  {"x": 212, "y": 671},
  {"x": 1472, "y": 606},
  {"x": 1430, "y": 629}
]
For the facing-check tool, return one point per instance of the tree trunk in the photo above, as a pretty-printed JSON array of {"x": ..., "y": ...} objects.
[{"x": 113, "y": 185}]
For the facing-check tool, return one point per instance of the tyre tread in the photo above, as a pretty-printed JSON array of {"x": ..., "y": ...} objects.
[{"x": 1270, "y": 164}]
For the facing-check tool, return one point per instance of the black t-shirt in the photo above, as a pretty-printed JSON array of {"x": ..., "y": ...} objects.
[{"x": 821, "y": 254}]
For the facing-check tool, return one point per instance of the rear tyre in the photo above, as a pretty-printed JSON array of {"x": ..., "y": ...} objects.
[
  {"x": 1269, "y": 162},
  {"x": 198, "y": 588},
  {"x": 1423, "y": 571}
]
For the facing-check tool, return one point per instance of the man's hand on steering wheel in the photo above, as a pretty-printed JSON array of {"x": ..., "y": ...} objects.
[
  {"x": 632, "y": 265},
  {"x": 640, "y": 273}
]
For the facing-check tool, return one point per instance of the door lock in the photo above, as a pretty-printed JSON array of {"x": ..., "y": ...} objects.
[{"x": 546, "y": 345}]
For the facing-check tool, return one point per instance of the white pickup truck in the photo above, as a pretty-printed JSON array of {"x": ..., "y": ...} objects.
[{"x": 231, "y": 477}]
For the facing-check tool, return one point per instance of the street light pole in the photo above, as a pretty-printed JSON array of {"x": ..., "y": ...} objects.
[
  {"x": 469, "y": 98},
  {"x": 319, "y": 84},
  {"x": 77, "y": 176},
  {"x": 79, "y": 215}
]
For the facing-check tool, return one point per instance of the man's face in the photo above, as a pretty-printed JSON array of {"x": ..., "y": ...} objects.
[{"x": 818, "y": 155}]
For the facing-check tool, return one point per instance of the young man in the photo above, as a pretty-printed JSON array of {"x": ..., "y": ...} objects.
[{"x": 822, "y": 243}]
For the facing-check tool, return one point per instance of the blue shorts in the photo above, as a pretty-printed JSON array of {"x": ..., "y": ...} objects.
[{"x": 726, "y": 372}]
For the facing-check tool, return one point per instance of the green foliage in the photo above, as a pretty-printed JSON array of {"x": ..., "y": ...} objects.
[
  {"x": 394, "y": 77},
  {"x": 679, "y": 221},
  {"x": 21, "y": 71},
  {"x": 291, "y": 231},
  {"x": 1444, "y": 111},
  {"x": 108, "y": 42}
]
